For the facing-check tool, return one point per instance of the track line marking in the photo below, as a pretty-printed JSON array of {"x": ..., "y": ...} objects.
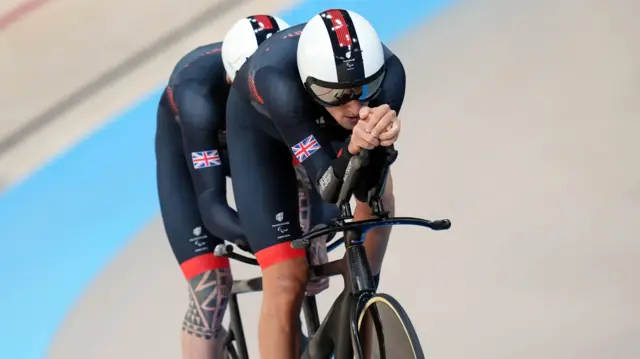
[{"x": 11, "y": 17}]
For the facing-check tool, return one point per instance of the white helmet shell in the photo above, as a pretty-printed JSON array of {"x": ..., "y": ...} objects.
[
  {"x": 339, "y": 46},
  {"x": 244, "y": 37}
]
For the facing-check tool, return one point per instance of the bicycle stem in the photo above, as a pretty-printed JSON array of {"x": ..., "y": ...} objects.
[{"x": 360, "y": 275}]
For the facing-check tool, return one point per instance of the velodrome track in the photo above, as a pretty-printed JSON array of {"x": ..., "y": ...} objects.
[{"x": 520, "y": 124}]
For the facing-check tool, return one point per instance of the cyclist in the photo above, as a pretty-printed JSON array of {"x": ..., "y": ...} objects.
[
  {"x": 192, "y": 166},
  {"x": 351, "y": 90}
]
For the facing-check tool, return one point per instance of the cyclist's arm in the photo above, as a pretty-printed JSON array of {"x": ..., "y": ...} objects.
[
  {"x": 290, "y": 110},
  {"x": 392, "y": 93},
  {"x": 200, "y": 119}
]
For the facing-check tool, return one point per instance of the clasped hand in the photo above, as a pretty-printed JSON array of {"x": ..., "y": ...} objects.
[{"x": 378, "y": 126}]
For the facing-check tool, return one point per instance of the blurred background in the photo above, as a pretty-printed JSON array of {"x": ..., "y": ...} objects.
[{"x": 521, "y": 125}]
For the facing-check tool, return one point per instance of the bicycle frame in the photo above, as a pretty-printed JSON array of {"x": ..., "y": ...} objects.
[
  {"x": 339, "y": 332},
  {"x": 329, "y": 337}
]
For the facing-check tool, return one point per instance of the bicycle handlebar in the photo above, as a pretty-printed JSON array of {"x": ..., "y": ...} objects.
[
  {"x": 226, "y": 250},
  {"x": 339, "y": 225},
  {"x": 305, "y": 241}
]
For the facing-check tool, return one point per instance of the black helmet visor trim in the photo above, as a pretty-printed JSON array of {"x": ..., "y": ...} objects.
[{"x": 331, "y": 94}]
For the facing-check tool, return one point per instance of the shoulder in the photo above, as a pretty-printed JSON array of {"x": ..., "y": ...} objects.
[
  {"x": 276, "y": 92},
  {"x": 276, "y": 78},
  {"x": 197, "y": 106},
  {"x": 271, "y": 77},
  {"x": 210, "y": 53}
]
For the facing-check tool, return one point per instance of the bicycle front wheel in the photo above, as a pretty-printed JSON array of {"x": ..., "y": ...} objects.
[{"x": 386, "y": 331}]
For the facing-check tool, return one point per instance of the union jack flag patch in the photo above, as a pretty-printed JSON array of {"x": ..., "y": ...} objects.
[
  {"x": 305, "y": 148},
  {"x": 205, "y": 159}
]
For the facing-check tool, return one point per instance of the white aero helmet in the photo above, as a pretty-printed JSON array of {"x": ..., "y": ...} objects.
[
  {"x": 340, "y": 58},
  {"x": 244, "y": 37}
]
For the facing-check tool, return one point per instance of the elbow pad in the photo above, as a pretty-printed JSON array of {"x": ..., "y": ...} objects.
[{"x": 329, "y": 186}]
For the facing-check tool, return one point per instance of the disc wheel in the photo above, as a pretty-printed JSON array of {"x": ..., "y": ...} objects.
[{"x": 392, "y": 334}]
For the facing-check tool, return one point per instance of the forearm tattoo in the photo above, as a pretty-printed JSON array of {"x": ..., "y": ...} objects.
[{"x": 209, "y": 295}]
